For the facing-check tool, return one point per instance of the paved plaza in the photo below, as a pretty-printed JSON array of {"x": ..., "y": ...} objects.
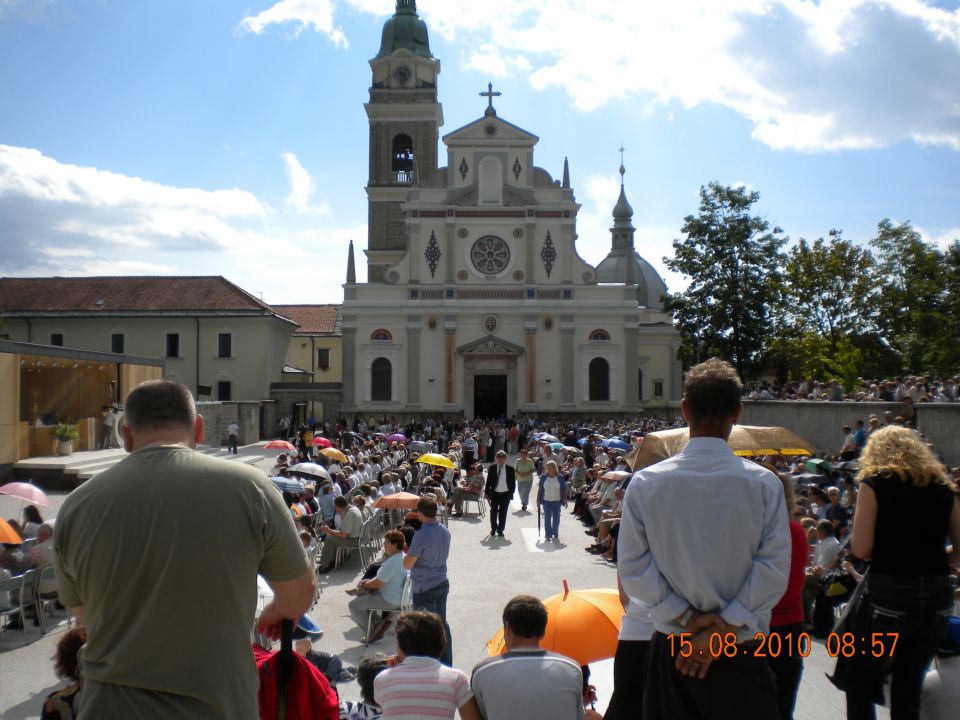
[{"x": 484, "y": 574}]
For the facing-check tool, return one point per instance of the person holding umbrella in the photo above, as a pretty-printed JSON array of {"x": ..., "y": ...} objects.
[{"x": 551, "y": 496}]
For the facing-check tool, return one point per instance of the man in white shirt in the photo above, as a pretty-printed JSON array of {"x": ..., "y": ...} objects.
[
  {"x": 527, "y": 682},
  {"x": 826, "y": 557},
  {"x": 705, "y": 545},
  {"x": 388, "y": 488},
  {"x": 630, "y": 662},
  {"x": 233, "y": 431},
  {"x": 347, "y": 536},
  {"x": 848, "y": 451}
]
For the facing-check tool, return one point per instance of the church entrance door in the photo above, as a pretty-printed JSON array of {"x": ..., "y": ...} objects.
[{"x": 490, "y": 396}]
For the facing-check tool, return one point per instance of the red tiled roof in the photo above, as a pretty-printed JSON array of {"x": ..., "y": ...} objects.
[
  {"x": 311, "y": 318},
  {"x": 126, "y": 294}
]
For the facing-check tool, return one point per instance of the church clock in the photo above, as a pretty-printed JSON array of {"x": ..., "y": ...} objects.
[{"x": 402, "y": 74}]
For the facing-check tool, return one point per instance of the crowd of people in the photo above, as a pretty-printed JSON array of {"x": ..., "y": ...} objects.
[
  {"x": 716, "y": 558},
  {"x": 902, "y": 389}
]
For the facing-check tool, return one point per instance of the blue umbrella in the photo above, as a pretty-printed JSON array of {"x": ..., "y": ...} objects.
[
  {"x": 557, "y": 446},
  {"x": 287, "y": 484},
  {"x": 615, "y": 443}
]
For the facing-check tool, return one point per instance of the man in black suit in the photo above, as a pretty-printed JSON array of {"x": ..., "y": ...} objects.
[{"x": 501, "y": 484}]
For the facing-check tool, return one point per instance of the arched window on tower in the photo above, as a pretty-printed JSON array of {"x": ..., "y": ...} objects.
[
  {"x": 381, "y": 335},
  {"x": 381, "y": 380},
  {"x": 402, "y": 159},
  {"x": 599, "y": 336},
  {"x": 599, "y": 379}
]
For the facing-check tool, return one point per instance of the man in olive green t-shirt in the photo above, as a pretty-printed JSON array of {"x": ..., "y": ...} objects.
[{"x": 158, "y": 556}]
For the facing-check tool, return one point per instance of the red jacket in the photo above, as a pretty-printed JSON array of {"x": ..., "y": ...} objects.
[
  {"x": 789, "y": 611},
  {"x": 309, "y": 695}
]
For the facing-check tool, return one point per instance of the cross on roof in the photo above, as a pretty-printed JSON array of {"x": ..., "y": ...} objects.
[{"x": 490, "y": 95}]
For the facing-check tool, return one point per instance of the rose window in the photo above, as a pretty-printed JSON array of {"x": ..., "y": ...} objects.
[{"x": 490, "y": 255}]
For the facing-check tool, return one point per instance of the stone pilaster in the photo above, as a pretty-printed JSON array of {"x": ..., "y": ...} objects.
[{"x": 413, "y": 362}]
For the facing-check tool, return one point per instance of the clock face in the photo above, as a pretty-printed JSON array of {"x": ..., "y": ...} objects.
[
  {"x": 402, "y": 74},
  {"x": 490, "y": 255}
]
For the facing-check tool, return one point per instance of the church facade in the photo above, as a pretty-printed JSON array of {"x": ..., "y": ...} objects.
[{"x": 477, "y": 303}]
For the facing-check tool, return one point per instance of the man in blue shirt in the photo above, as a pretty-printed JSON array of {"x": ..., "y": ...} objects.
[
  {"x": 427, "y": 562},
  {"x": 705, "y": 545}
]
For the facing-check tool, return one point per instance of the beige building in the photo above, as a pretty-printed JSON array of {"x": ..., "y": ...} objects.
[
  {"x": 218, "y": 340},
  {"x": 477, "y": 303},
  {"x": 313, "y": 370}
]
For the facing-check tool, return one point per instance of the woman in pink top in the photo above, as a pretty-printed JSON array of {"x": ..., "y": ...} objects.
[{"x": 417, "y": 685}]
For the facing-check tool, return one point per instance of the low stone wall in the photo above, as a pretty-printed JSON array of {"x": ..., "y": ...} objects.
[
  {"x": 217, "y": 415},
  {"x": 821, "y": 422}
]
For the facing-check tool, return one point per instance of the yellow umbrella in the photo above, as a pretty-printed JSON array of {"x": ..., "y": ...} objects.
[
  {"x": 745, "y": 440},
  {"x": 435, "y": 459},
  {"x": 584, "y": 625},
  {"x": 8, "y": 535},
  {"x": 335, "y": 454}
]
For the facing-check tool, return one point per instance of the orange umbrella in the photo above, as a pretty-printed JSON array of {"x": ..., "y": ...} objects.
[
  {"x": 280, "y": 445},
  {"x": 584, "y": 625},
  {"x": 8, "y": 536},
  {"x": 335, "y": 454},
  {"x": 398, "y": 501}
]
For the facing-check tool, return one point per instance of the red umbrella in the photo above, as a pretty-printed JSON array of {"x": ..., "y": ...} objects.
[
  {"x": 26, "y": 492},
  {"x": 322, "y": 442},
  {"x": 280, "y": 445}
]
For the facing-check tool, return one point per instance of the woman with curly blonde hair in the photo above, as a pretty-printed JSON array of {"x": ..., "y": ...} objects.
[{"x": 906, "y": 510}]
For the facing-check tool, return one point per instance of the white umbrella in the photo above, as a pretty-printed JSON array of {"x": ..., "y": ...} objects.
[{"x": 311, "y": 469}]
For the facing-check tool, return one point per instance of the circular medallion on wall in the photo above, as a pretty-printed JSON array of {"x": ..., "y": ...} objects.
[
  {"x": 462, "y": 233},
  {"x": 402, "y": 74},
  {"x": 462, "y": 275},
  {"x": 490, "y": 130},
  {"x": 518, "y": 276},
  {"x": 490, "y": 255},
  {"x": 490, "y": 324},
  {"x": 518, "y": 233}
]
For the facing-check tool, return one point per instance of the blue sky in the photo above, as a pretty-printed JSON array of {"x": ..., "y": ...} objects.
[{"x": 230, "y": 138}]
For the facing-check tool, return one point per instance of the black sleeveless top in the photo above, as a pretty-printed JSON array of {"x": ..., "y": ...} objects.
[{"x": 912, "y": 527}]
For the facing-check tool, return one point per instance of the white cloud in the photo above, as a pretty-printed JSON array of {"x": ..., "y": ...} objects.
[
  {"x": 940, "y": 238},
  {"x": 809, "y": 76},
  {"x": 61, "y": 219},
  {"x": 302, "y": 187},
  {"x": 314, "y": 14}
]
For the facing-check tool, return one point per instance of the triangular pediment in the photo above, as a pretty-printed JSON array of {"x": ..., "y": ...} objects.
[
  {"x": 470, "y": 197},
  {"x": 491, "y": 129},
  {"x": 490, "y": 345}
]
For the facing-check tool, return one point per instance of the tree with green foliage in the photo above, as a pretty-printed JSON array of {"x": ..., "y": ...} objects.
[
  {"x": 828, "y": 288},
  {"x": 827, "y": 314},
  {"x": 913, "y": 297},
  {"x": 733, "y": 260}
]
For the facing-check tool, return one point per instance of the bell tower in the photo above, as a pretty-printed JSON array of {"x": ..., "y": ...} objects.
[{"x": 405, "y": 119}]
